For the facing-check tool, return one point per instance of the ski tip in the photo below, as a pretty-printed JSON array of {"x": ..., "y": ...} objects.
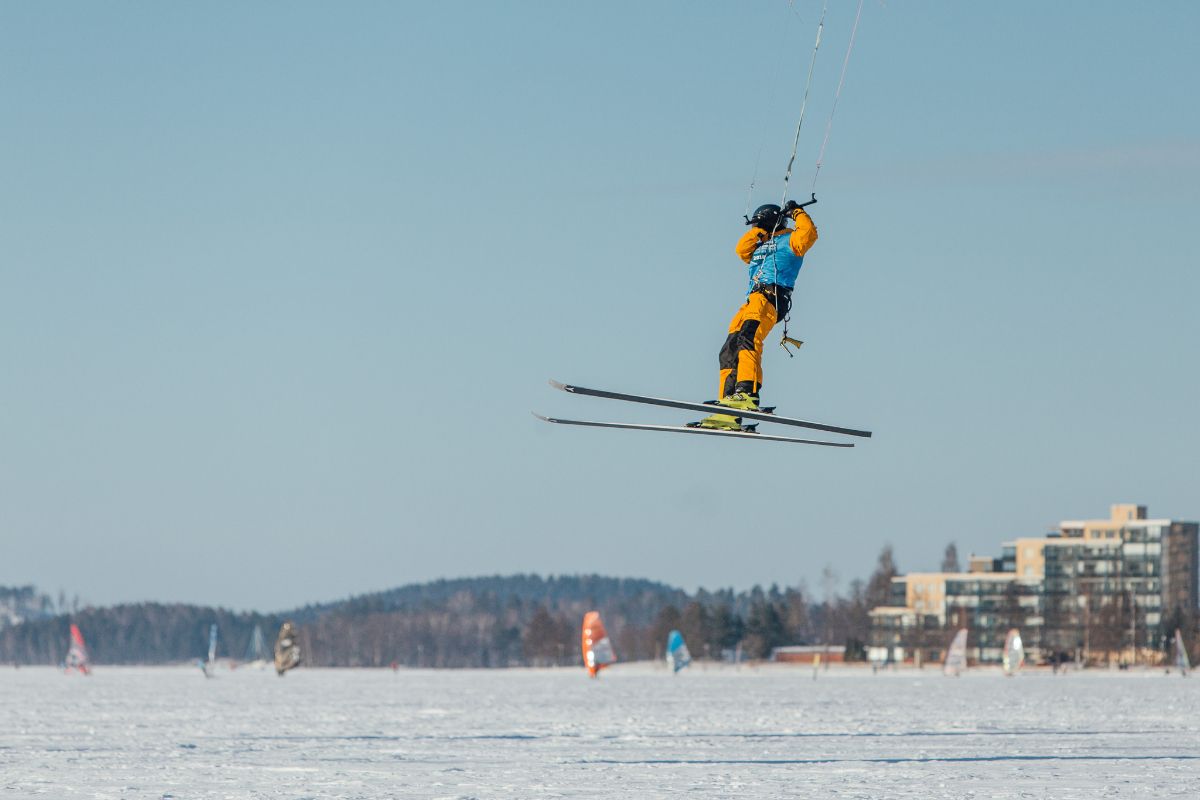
[
  {"x": 539, "y": 416},
  {"x": 560, "y": 385}
]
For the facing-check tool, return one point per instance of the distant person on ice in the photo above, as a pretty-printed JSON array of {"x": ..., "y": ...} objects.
[{"x": 774, "y": 253}]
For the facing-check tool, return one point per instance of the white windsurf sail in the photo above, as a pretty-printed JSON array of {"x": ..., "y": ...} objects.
[
  {"x": 210, "y": 664},
  {"x": 1181, "y": 654},
  {"x": 956, "y": 656},
  {"x": 1014, "y": 652},
  {"x": 256, "y": 651}
]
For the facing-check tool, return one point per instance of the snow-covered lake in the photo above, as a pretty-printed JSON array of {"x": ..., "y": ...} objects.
[{"x": 636, "y": 733}]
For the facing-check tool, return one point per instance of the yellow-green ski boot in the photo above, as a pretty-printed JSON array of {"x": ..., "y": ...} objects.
[{"x": 742, "y": 401}]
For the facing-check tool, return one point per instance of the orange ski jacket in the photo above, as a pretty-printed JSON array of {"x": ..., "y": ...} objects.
[{"x": 769, "y": 260}]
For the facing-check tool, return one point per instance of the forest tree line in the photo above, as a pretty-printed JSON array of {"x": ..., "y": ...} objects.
[{"x": 500, "y": 621}]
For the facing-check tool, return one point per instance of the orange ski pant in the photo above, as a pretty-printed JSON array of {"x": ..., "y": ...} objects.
[{"x": 741, "y": 356}]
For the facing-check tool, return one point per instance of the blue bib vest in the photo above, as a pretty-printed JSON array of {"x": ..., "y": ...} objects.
[{"x": 774, "y": 262}]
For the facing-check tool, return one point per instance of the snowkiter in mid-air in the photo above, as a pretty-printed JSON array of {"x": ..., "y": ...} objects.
[{"x": 774, "y": 253}]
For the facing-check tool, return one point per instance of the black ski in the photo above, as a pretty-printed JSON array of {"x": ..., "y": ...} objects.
[
  {"x": 683, "y": 429},
  {"x": 708, "y": 408}
]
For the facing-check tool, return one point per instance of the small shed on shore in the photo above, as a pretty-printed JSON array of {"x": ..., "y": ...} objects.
[{"x": 807, "y": 653}]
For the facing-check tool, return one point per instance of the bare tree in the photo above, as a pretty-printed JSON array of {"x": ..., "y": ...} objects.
[
  {"x": 879, "y": 588},
  {"x": 950, "y": 559}
]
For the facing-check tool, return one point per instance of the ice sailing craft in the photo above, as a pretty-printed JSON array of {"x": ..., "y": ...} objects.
[
  {"x": 209, "y": 665},
  {"x": 678, "y": 656},
  {"x": 256, "y": 651},
  {"x": 598, "y": 651},
  {"x": 1014, "y": 652},
  {"x": 1182, "y": 663},
  {"x": 77, "y": 655},
  {"x": 287, "y": 649},
  {"x": 956, "y": 656}
]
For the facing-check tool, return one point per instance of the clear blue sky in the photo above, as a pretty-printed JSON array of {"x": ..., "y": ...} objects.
[{"x": 281, "y": 282}]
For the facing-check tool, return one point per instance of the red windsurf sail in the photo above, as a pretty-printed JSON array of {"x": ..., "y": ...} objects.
[{"x": 77, "y": 655}]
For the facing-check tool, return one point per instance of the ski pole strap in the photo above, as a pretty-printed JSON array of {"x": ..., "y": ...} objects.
[{"x": 786, "y": 340}]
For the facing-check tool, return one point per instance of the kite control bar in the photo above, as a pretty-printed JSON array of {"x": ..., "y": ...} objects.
[
  {"x": 788, "y": 208},
  {"x": 807, "y": 202}
]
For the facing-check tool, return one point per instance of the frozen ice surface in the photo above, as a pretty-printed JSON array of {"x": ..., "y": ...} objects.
[{"x": 638, "y": 732}]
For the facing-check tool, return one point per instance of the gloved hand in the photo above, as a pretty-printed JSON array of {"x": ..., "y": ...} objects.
[{"x": 790, "y": 208}]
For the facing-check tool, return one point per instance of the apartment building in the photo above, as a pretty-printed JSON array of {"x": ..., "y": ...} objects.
[{"x": 1107, "y": 587}]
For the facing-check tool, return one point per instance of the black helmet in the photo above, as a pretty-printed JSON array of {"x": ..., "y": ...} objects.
[{"x": 766, "y": 217}]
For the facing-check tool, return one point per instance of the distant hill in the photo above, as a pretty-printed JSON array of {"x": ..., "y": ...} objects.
[
  {"x": 635, "y": 598},
  {"x": 491, "y": 621},
  {"x": 480, "y": 622}
]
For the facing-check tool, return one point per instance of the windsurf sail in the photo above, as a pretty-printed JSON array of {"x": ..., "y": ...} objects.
[
  {"x": 256, "y": 651},
  {"x": 210, "y": 664},
  {"x": 956, "y": 656},
  {"x": 1181, "y": 654},
  {"x": 677, "y": 653},
  {"x": 1014, "y": 652},
  {"x": 287, "y": 648},
  {"x": 597, "y": 649},
  {"x": 77, "y": 653}
]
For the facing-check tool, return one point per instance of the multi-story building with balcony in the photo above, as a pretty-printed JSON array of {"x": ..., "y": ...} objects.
[
  {"x": 926, "y": 605},
  {"x": 1109, "y": 583},
  {"x": 1091, "y": 588}
]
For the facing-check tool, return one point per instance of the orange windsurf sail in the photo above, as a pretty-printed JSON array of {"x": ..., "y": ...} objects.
[{"x": 597, "y": 649}]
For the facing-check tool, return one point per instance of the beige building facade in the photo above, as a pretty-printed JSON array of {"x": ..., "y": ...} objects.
[{"x": 1107, "y": 585}]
